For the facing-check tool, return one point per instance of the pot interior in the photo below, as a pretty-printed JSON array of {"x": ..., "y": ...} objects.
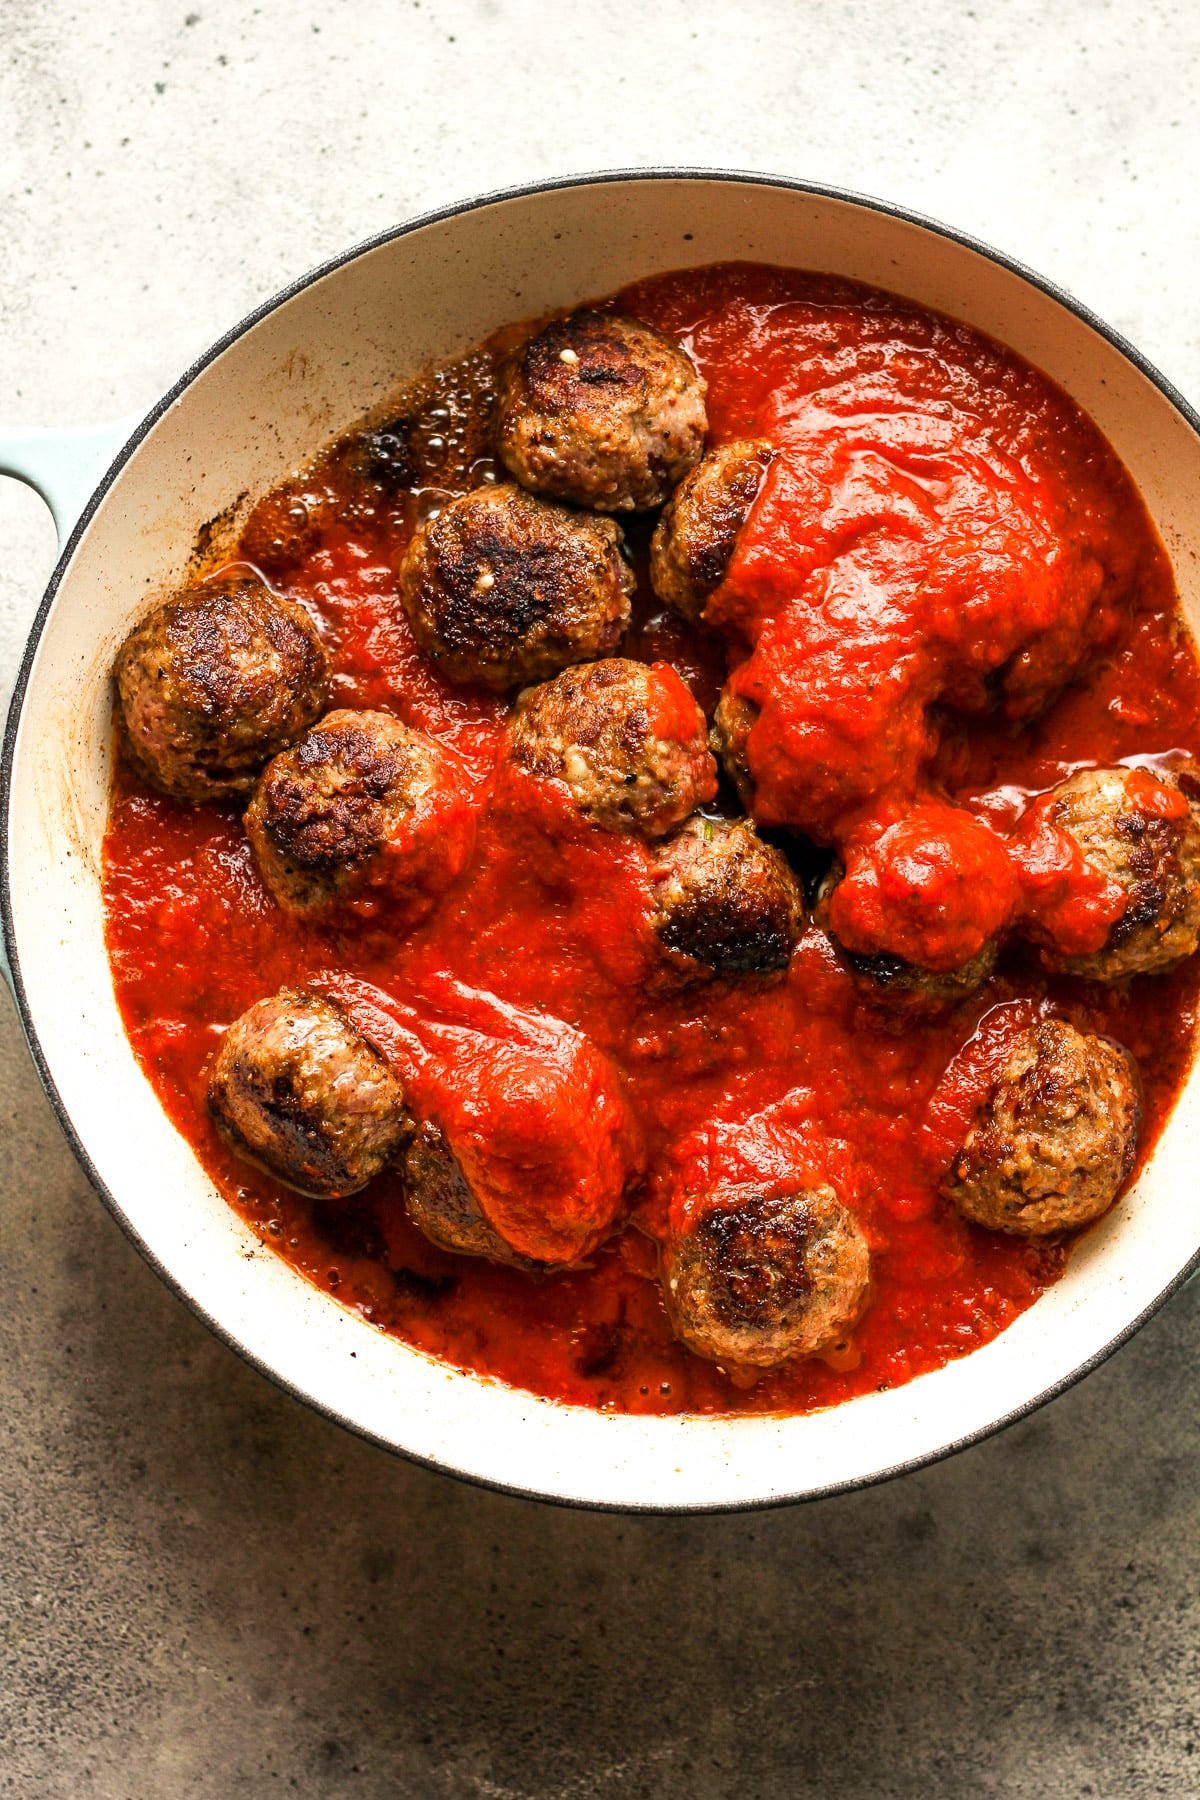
[{"x": 269, "y": 399}]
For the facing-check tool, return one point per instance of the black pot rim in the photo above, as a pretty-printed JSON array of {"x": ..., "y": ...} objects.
[{"x": 495, "y": 197}]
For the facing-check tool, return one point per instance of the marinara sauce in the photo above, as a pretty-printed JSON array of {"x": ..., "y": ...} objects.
[{"x": 943, "y": 499}]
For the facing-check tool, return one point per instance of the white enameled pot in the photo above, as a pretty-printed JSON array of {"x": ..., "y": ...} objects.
[{"x": 271, "y": 394}]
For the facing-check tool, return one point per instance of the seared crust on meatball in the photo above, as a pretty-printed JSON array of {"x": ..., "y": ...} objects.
[
  {"x": 627, "y": 739},
  {"x": 1056, "y": 1138},
  {"x": 1113, "y": 816},
  {"x": 725, "y": 903},
  {"x": 442, "y": 1203},
  {"x": 695, "y": 538},
  {"x": 362, "y": 808},
  {"x": 899, "y": 986},
  {"x": 902, "y": 987},
  {"x": 504, "y": 589},
  {"x": 760, "y": 1275},
  {"x": 214, "y": 683},
  {"x": 296, "y": 1089},
  {"x": 601, "y": 410}
]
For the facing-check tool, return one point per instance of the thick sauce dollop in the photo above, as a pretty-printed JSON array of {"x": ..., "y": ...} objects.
[{"x": 947, "y": 598}]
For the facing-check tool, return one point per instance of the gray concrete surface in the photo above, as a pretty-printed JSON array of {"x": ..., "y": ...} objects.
[{"x": 205, "y": 1592}]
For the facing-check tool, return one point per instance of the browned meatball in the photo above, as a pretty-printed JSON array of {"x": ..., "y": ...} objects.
[
  {"x": 757, "y": 1274},
  {"x": 504, "y": 589},
  {"x": 1056, "y": 1138},
  {"x": 296, "y": 1089},
  {"x": 732, "y": 724},
  {"x": 725, "y": 903},
  {"x": 602, "y": 411},
  {"x": 443, "y": 1204},
  {"x": 214, "y": 682},
  {"x": 360, "y": 812},
  {"x": 897, "y": 985},
  {"x": 902, "y": 987},
  {"x": 695, "y": 538},
  {"x": 627, "y": 739},
  {"x": 528, "y": 1149},
  {"x": 1142, "y": 831}
]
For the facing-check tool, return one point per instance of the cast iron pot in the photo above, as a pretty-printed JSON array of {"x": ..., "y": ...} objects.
[{"x": 283, "y": 383}]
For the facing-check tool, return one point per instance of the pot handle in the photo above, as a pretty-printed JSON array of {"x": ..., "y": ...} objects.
[{"x": 63, "y": 465}]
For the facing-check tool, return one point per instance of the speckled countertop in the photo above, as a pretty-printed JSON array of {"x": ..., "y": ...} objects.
[{"x": 207, "y": 1593}]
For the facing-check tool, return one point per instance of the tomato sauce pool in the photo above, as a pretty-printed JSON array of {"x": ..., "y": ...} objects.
[{"x": 194, "y": 937}]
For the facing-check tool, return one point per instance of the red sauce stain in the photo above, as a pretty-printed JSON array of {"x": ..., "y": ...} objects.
[{"x": 948, "y": 598}]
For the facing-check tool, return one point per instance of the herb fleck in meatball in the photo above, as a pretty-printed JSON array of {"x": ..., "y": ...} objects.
[
  {"x": 1141, "y": 831},
  {"x": 626, "y": 738},
  {"x": 900, "y": 986},
  {"x": 504, "y": 589},
  {"x": 602, "y": 411},
  {"x": 362, "y": 811},
  {"x": 695, "y": 538},
  {"x": 296, "y": 1089},
  {"x": 214, "y": 683},
  {"x": 725, "y": 903},
  {"x": 755, "y": 1274},
  {"x": 1056, "y": 1138}
]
